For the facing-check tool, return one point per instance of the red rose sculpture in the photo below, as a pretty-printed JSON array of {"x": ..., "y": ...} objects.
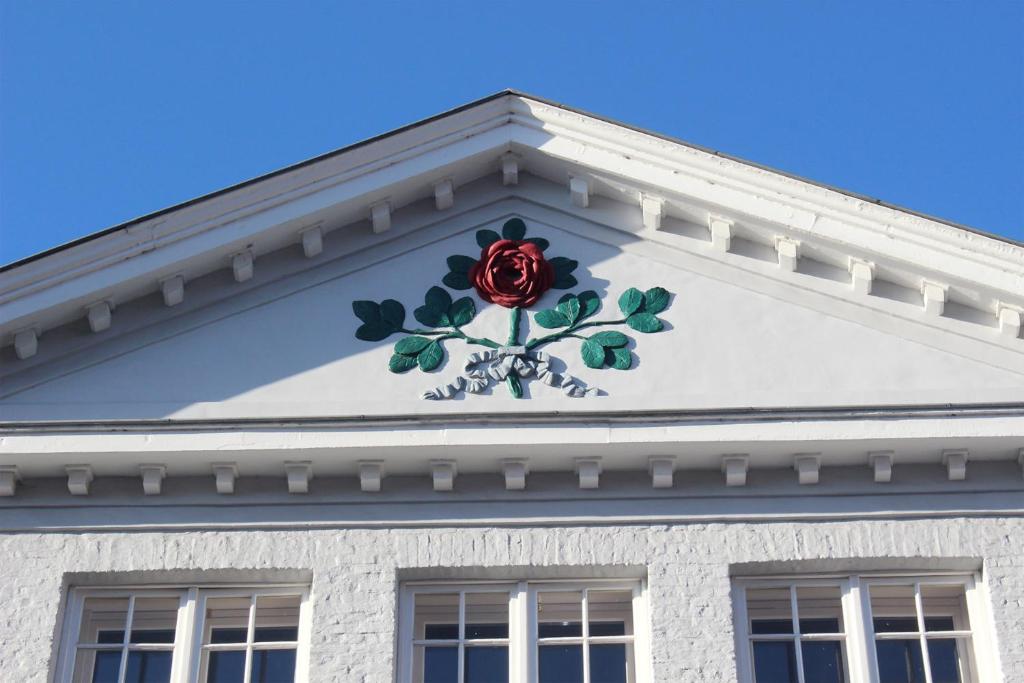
[{"x": 512, "y": 273}]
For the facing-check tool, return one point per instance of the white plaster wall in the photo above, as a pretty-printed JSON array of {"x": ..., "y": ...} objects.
[{"x": 355, "y": 573}]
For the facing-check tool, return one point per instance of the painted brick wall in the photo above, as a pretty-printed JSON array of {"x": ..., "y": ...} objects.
[{"x": 354, "y": 578}]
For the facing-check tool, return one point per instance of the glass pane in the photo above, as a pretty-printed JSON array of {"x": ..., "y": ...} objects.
[
  {"x": 770, "y": 610},
  {"x": 560, "y": 663},
  {"x": 273, "y": 666},
  {"x": 435, "y": 664},
  {"x": 277, "y": 618},
  {"x": 103, "y": 620},
  {"x": 97, "y": 666},
  {"x": 486, "y": 665},
  {"x": 486, "y": 615},
  {"x": 437, "y": 616},
  {"x": 226, "y": 667},
  {"x": 945, "y": 659},
  {"x": 775, "y": 662},
  {"x": 893, "y": 609},
  {"x": 154, "y": 620},
  {"x": 559, "y": 614},
  {"x": 611, "y": 663},
  {"x": 823, "y": 661},
  {"x": 610, "y": 613},
  {"x": 148, "y": 667},
  {"x": 227, "y": 620},
  {"x": 820, "y": 609},
  {"x": 899, "y": 661},
  {"x": 945, "y": 608}
]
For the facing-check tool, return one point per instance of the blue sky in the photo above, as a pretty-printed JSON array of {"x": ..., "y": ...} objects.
[{"x": 110, "y": 110}]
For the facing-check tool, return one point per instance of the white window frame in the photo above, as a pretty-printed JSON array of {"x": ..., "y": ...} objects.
[
  {"x": 522, "y": 625},
  {"x": 190, "y": 629},
  {"x": 859, "y": 634}
]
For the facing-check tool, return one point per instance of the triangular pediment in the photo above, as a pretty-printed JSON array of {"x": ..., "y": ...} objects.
[{"x": 783, "y": 293}]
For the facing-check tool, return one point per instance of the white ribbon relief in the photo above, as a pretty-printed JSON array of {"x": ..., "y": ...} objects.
[{"x": 484, "y": 368}]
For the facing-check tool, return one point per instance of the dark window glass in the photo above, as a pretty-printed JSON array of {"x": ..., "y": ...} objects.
[
  {"x": 478, "y": 631},
  {"x": 273, "y": 666},
  {"x": 226, "y": 667},
  {"x": 944, "y": 660},
  {"x": 819, "y": 626},
  {"x": 105, "y": 637},
  {"x": 895, "y": 624},
  {"x": 823, "y": 661},
  {"x": 441, "y": 632},
  {"x": 561, "y": 663},
  {"x": 564, "y": 629},
  {"x": 152, "y": 635},
  {"x": 441, "y": 665},
  {"x": 228, "y": 635},
  {"x": 148, "y": 667},
  {"x": 774, "y": 662},
  {"x": 939, "y": 624},
  {"x": 106, "y": 666},
  {"x": 486, "y": 665},
  {"x": 275, "y": 634},
  {"x": 607, "y": 663},
  {"x": 763, "y": 626},
  {"x": 899, "y": 661},
  {"x": 607, "y": 628}
]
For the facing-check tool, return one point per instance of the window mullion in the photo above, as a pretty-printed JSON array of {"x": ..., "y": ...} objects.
[
  {"x": 585, "y": 630},
  {"x": 249, "y": 636},
  {"x": 922, "y": 638},
  {"x": 462, "y": 636},
  {"x": 795, "y": 617},
  {"x": 123, "y": 669}
]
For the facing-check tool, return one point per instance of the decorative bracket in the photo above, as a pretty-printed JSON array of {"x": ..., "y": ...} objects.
[
  {"x": 881, "y": 463},
  {"x": 956, "y": 464},
  {"x": 380, "y": 217},
  {"x": 242, "y": 266},
  {"x": 152, "y": 478},
  {"x": 371, "y": 472},
  {"x": 589, "y": 472},
  {"x": 99, "y": 315},
  {"x": 26, "y": 343},
  {"x": 515, "y": 471},
  {"x": 299, "y": 474},
  {"x": 224, "y": 475},
  {"x": 312, "y": 241},
  {"x": 934, "y": 297},
  {"x": 510, "y": 169},
  {"x": 735, "y": 468},
  {"x": 862, "y": 275},
  {"x": 173, "y": 290},
  {"x": 79, "y": 478},
  {"x": 807, "y": 466},
  {"x": 721, "y": 232},
  {"x": 579, "y": 191},
  {"x": 661, "y": 468},
  {"x": 444, "y": 194},
  {"x": 443, "y": 473},
  {"x": 8, "y": 479}
]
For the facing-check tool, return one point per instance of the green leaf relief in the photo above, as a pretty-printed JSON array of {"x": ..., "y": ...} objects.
[
  {"x": 644, "y": 322},
  {"x": 656, "y": 300},
  {"x": 486, "y": 238},
  {"x": 430, "y": 357},
  {"x": 514, "y": 229},
  {"x": 400, "y": 363},
  {"x": 570, "y": 308},
  {"x": 631, "y": 301},
  {"x": 372, "y": 332},
  {"x": 620, "y": 358},
  {"x": 541, "y": 243},
  {"x": 610, "y": 338},
  {"x": 367, "y": 311},
  {"x": 592, "y": 353},
  {"x": 590, "y": 303},
  {"x": 393, "y": 313},
  {"x": 460, "y": 264},
  {"x": 438, "y": 299},
  {"x": 430, "y": 317},
  {"x": 461, "y": 311},
  {"x": 410, "y": 346},
  {"x": 457, "y": 281},
  {"x": 550, "y": 319}
]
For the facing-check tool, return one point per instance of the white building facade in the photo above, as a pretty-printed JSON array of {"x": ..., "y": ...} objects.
[{"x": 515, "y": 394}]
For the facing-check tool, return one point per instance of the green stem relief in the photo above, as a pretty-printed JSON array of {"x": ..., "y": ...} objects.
[
  {"x": 512, "y": 381},
  {"x": 569, "y": 332}
]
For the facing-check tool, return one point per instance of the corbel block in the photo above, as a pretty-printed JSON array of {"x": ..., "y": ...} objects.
[
  {"x": 152, "y": 478},
  {"x": 371, "y": 472},
  {"x": 881, "y": 464},
  {"x": 26, "y": 343},
  {"x": 443, "y": 473},
  {"x": 721, "y": 232},
  {"x": 299, "y": 474},
  {"x": 79, "y": 478},
  {"x": 515, "y": 471},
  {"x": 862, "y": 275},
  {"x": 653, "y": 210},
  {"x": 99, "y": 315},
  {"x": 807, "y": 466},
  {"x": 661, "y": 468},
  {"x": 312, "y": 241},
  {"x": 1009, "y": 321},
  {"x": 956, "y": 464},
  {"x": 934, "y": 297},
  {"x": 735, "y": 468},
  {"x": 589, "y": 472},
  {"x": 380, "y": 217},
  {"x": 224, "y": 475},
  {"x": 8, "y": 479},
  {"x": 242, "y": 266},
  {"x": 444, "y": 194},
  {"x": 510, "y": 169},
  {"x": 579, "y": 191},
  {"x": 173, "y": 290},
  {"x": 788, "y": 251}
]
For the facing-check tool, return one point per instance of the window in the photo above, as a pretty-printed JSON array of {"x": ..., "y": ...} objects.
[
  {"x": 541, "y": 632},
  {"x": 185, "y": 635},
  {"x": 860, "y": 629}
]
